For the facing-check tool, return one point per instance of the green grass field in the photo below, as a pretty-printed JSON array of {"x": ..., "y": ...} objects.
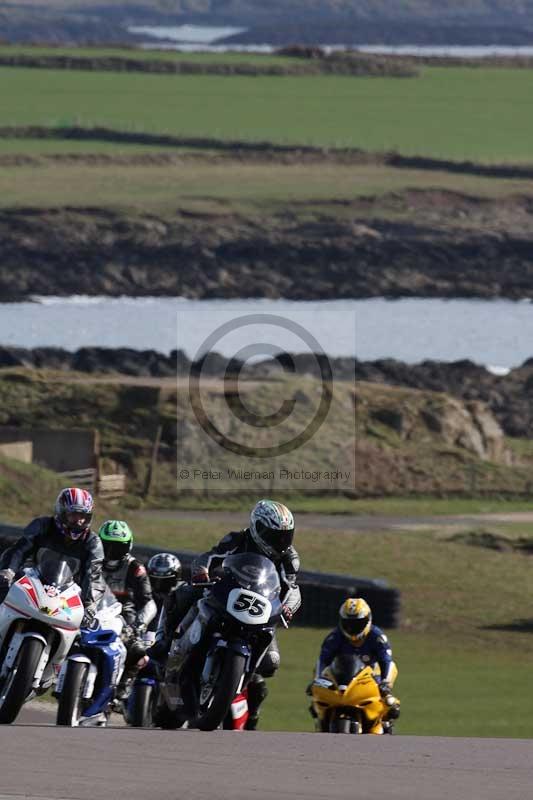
[{"x": 480, "y": 114}]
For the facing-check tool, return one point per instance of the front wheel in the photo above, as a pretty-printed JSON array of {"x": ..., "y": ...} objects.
[
  {"x": 70, "y": 699},
  {"x": 142, "y": 705},
  {"x": 344, "y": 725},
  {"x": 214, "y": 708},
  {"x": 17, "y": 684}
]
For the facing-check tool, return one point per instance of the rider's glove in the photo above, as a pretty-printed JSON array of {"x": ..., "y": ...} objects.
[
  {"x": 128, "y": 633},
  {"x": 88, "y": 617},
  {"x": 200, "y": 575},
  {"x": 392, "y": 703},
  {"x": 6, "y": 578},
  {"x": 139, "y": 631},
  {"x": 322, "y": 683},
  {"x": 287, "y": 613}
]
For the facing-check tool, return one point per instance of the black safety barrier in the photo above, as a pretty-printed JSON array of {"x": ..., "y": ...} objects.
[{"x": 322, "y": 593}]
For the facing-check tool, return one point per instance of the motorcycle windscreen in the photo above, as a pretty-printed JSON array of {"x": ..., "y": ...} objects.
[
  {"x": 253, "y": 572},
  {"x": 55, "y": 568},
  {"x": 345, "y": 667}
]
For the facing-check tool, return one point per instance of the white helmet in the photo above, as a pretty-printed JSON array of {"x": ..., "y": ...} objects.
[{"x": 272, "y": 527}]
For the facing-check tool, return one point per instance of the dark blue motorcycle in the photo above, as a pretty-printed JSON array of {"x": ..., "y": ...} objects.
[
  {"x": 240, "y": 612},
  {"x": 142, "y": 699},
  {"x": 88, "y": 679}
]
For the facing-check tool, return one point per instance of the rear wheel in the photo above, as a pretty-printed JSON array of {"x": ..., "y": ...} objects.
[
  {"x": 142, "y": 707},
  {"x": 17, "y": 685},
  {"x": 70, "y": 700},
  {"x": 225, "y": 682}
]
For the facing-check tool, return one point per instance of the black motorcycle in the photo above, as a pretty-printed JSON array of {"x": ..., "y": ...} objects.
[{"x": 240, "y": 612}]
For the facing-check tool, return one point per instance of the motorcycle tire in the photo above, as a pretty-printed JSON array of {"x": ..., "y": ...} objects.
[
  {"x": 165, "y": 718},
  {"x": 17, "y": 684},
  {"x": 141, "y": 715},
  {"x": 69, "y": 701},
  {"x": 231, "y": 671},
  {"x": 340, "y": 725}
]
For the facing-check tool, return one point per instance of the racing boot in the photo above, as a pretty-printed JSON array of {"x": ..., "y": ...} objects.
[{"x": 257, "y": 693}]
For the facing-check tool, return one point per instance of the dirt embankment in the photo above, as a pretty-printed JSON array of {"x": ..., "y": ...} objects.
[{"x": 458, "y": 247}]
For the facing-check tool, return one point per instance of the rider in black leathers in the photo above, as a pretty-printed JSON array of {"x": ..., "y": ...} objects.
[
  {"x": 164, "y": 571},
  {"x": 270, "y": 533},
  {"x": 128, "y": 580},
  {"x": 68, "y": 533}
]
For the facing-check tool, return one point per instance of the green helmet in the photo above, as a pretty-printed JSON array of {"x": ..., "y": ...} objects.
[{"x": 117, "y": 540}]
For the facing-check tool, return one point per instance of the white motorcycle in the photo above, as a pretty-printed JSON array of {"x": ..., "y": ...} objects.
[{"x": 39, "y": 620}]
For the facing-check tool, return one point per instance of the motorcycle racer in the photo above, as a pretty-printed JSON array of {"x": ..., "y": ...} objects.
[
  {"x": 355, "y": 633},
  {"x": 164, "y": 572},
  {"x": 270, "y": 533},
  {"x": 69, "y": 533},
  {"x": 128, "y": 580}
]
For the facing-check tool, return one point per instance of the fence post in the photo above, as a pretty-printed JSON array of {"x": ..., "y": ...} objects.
[{"x": 153, "y": 461}]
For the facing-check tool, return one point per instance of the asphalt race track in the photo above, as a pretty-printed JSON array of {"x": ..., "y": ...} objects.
[{"x": 41, "y": 762}]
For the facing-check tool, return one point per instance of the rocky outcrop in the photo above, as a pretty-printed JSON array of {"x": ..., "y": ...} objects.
[
  {"x": 413, "y": 416},
  {"x": 509, "y": 397},
  {"x": 97, "y": 252}
]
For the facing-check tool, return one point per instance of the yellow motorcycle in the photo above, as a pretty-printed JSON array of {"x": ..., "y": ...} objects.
[{"x": 346, "y": 699}]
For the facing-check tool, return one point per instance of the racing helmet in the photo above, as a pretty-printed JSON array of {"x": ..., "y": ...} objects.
[
  {"x": 73, "y": 512},
  {"x": 271, "y": 528},
  {"x": 355, "y": 620},
  {"x": 117, "y": 540},
  {"x": 164, "y": 571}
]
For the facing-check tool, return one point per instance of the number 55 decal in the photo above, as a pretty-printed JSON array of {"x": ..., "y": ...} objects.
[
  {"x": 250, "y": 603},
  {"x": 249, "y": 607}
]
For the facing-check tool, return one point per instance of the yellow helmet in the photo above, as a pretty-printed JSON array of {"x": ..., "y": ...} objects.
[{"x": 355, "y": 619}]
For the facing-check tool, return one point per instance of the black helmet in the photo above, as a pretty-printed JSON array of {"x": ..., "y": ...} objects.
[{"x": 164, "y": 571}]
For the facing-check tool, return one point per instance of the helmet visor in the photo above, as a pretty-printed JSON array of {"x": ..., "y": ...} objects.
[
  {"x": 162, "y": 586},
  {"x": 279, "y": 541},
  {"x": 114, "y": 551},
  {"x": 76, "y": 522},
  {"x": 354, "y": 626}
]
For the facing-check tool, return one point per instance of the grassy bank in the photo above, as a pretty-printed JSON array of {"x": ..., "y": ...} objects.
[
  {"x": 374, "y": 440},
  {"x": 220, "y": 186}
]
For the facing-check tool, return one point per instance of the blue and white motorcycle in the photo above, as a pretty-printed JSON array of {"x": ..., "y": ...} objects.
[{"x": 89, "y": 677}]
